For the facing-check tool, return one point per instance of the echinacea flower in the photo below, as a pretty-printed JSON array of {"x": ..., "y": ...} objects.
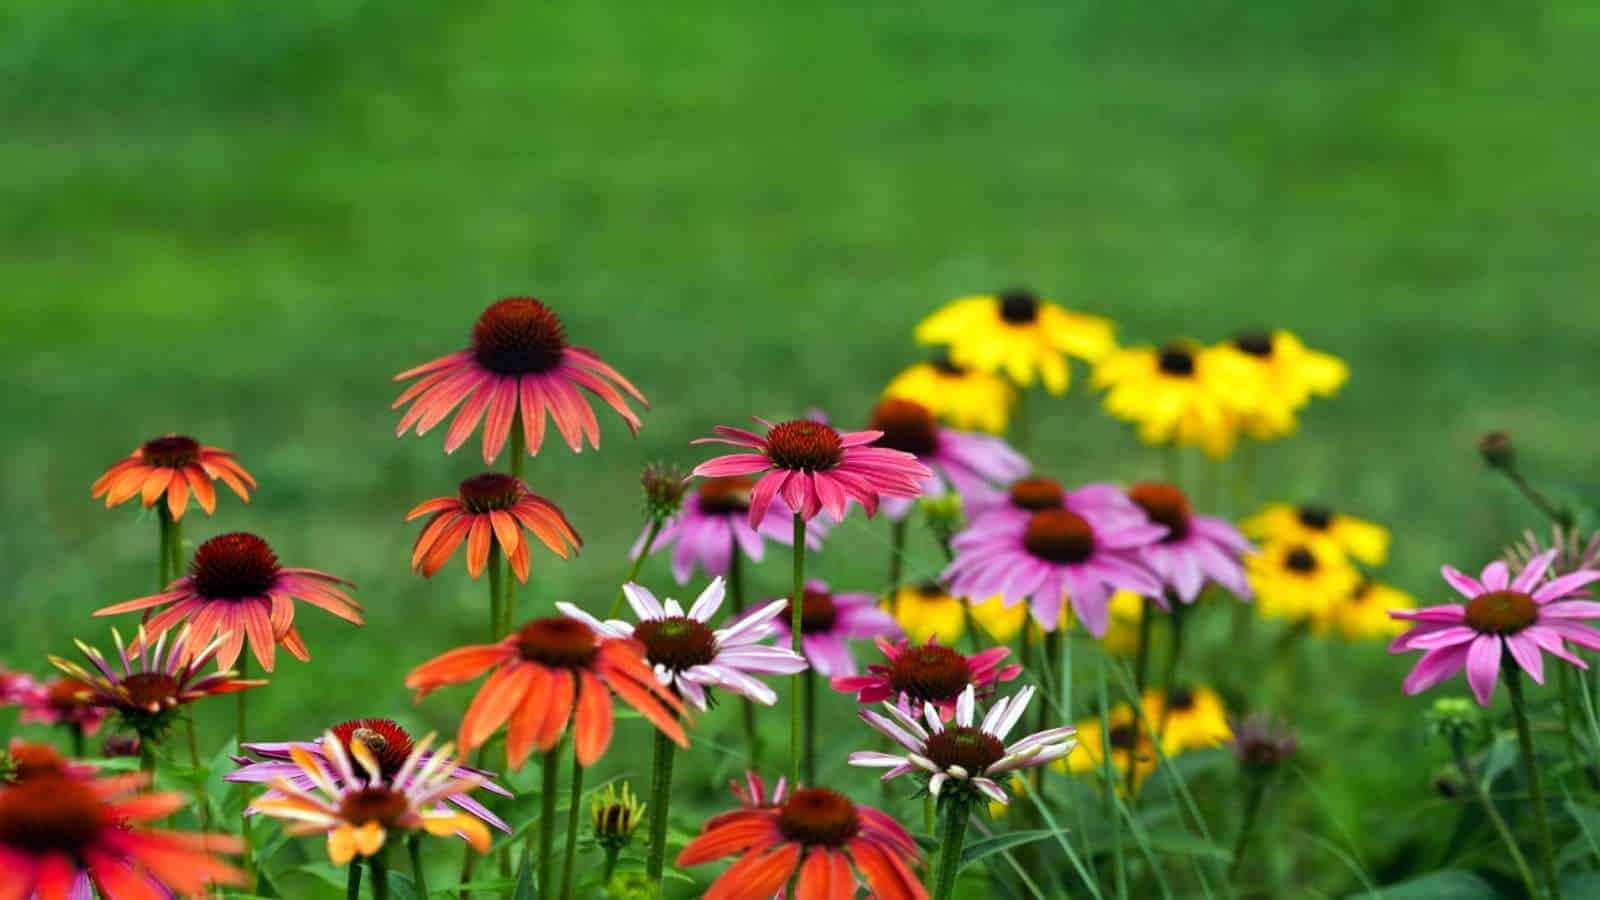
[
  {"x": 1180, "y": 395},
  {"x": 63, "y": 835},
  {"x": 1572, "y": 551},
  {"x": 1261, "y": 743},
  {"x": 813, "y": 467},
  {"x": 1052, "y": 555},
  {"x": 828, "y": 622},
  {"x": 615, "y": 815},
  {"x": 1290, "y": 374},
  {"x": 176, "y": 467},
  {"x": 1019, "y": 333},
  {"x": 546, "y": 673},
  {"x": 928, "y": 673},
  {"x": 489, "y": 508},
  {"x": 963, "y": 754},
  {"x": 714, "y": 524},
  {"x": 971, "y": 464},
  {"x": 964, "y": 397},
  {"x": 357, "y": 810},
  {"x": 1282, "y": 523},
  {"x": 1101, "y": 501},
  {"x": 1526, "y": 617},
  {"x": 817, "y": 834},
  {"x": 236, "y": 587},
  {"x": 145, "y": 687},
  {"x": 1192, "y": 718},
  {"x": 1196, "y": 549},
  {"x": 1364, "y": 614},
  {"x": 62, "y": 701},
  {"x": 518, "y": 365},
  {"x": 14, "y": 686},
  {"x": 689, "y": 656},
  {"x": 1300, "y": 581},
  {"x": 23, "y": 760},
  {"x": 390, "y": 746}
]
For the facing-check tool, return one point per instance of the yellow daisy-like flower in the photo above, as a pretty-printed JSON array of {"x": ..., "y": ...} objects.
[
  {"x": 1291, "y": 374},
  {"x": 965, "y": 398},
  {"x": 1002, "y": 622},
  {"x": 1364, "y": 615},
  {"x": 925, "y": 610},
  {"x": 1089, "y": 756},
  {"x": 1122, "y": 634},
  {"x": 1020, "y": 334},
  {"x": 1195, "y": 719},
  {"x": 1180, "y": 394},
  {"x": 1280, "y": 522},
  {"x": 1300, "y": 580}
]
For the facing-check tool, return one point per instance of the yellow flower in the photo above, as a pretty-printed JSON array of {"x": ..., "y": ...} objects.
[
  {"x": 1001, "y": 622},
  {"x": 1281, "y": 522},
  {"x": 965, "y": 398},
  {"x": 1018, "y": 788},
  {"x": 1291, "y": 374},
  {"x": 1019, "y": 334},
  {"x": 1122, "y": 635},
  {"x": 1196, "y": 719},
  {"x": 1364, "y": 615},
  {"x": 1181, "y": 394},
  {"x": 1300, "y": 580},
  {"x": 1089, "y": 756},
  {"x": 926, "y": 611}
]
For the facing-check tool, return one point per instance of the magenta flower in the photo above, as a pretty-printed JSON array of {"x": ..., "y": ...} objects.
[
  {"x": 1103, "y": 502},
  {"x": 829, "y": 622},
  {"x": 971, "y": 464},
  {"x": 1523, "y": 617},
  {"x": 15, "y": 686},
  {"x": 714, "y": 523},
  {"x": 927, "y": 674},
  {"x": 814, "y": 467},
  {"x": 1195, "y": 548},
  {"x": 61, "y": 701}
]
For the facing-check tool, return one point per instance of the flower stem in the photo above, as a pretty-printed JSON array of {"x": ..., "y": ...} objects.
[
  {"x": 75, "y": 732},
  {"x": 496, "y": 593},
  {"x": 574, "y": 805},
  {"x": 547, "y": 815},
  {"x": 1464, "y": 763},
  {"x": 810, "y": 715},
  {"x": 1530, "y": 766},
  {"x": 1252, "y": 805},
  {"x": 240, "y": 717},
  {"x": 954, "y": 835},
  {"x": 419, "y": 872},
  {"x": 747, "y": 707},
  {"x": 352, "y": 883},
  {"x": 1557, "y": 514},
  {"x": 1174, "y": 657},
  {"x": 897, "y": 552},
  {"x": 147, "y": 757},
  {"x": 379, "y": 862},
  {"x": 610, "y": 866},
  {"x": 202, "y": 809},
  {"x": 660, "y": 796},
  {"x": 638, "y": 563},
  {"x": 1141, "y": 671},
  {"x": 796, "y": 626},
  {"x": 163, "y": 549}
]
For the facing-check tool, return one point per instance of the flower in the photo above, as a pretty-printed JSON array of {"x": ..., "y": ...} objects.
[
  {"x": 970, "y": 463},
  {"x": 1522, "y": 617},
  {"x": 358, "y": 810},
  {"x": 752, "y": 793},
  {"x": 1051, "y": 555},
  {"x": 714, "y": 524},
  {"x": 1195, "y": 548},
  {"x": 1180, "y": 395},
  {"x": 1573, "y": 553},
  {"x": 389, "y": 745},
  {"x": 819, "y": 834},
  {"x": 62, "y": 701},
  {"x": 15, "y": 686},
  {"x": 927, "y": 674},
  {"x": 489, "y": 508},
  {"x": 966, "y": 398},
  {"x": 1194, "y": 719},
  {"x": 814, "y": 467},
  {"x": 615, "y": 816},
  {"x": 1129, "y": 742},
  {"x": 1364, "y": 614},
  {"x": 519, "y": 363},
  {"x": 146, "y": 687},
  {"x": 664, "y": 487},
  {"x": 1100, "y": 501},
  {"x": 64, "y": 835},
  {"x": 545, "y": 673},
  {"x": 828, "y": 621},
  {"x": 235, "y": 587},
  {"x": 1299, "y": 581},
  {"x": 1019, "y": 333},
  {"x": 926, "y": 613},
  {"x": 1498, "y": 451},
  {"x": 23, "y": 760},
  {"x": 1280, "y": 522},
  {"x": 1290, "y": 373},
  {"x": 1261, "y": 743},
  {"x": 963, "y": 754},
  {"x": 688, "y": 656},
  {"x": 176, "y": 466}
]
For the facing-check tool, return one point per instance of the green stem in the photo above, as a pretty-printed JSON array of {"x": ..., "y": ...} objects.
[
  {"x": 519, "y": 455},
  {"x": 1557, "y": 514},
  {"x": 379, "y": 862},
  {"x": 1569, "y": 710},
  {"x": 547, "y": 815},
  {"x": 954, "y": 835},
  {"x": 810, "y": 715},
  {"x": 1052, "y": 659},
  {"x": 202, "y": 808},
  {"x": 1530, "y": 767},
  {"x": 1141, "y": 672},
  {"x": 163, "y": 549},
  {"x": 574, "y": 807},
  {"x": 497, "y": 627},
  {"x": 75, "y": 732},
  {"x": 1464, "y": 763},
  {"x": 240, "y": 719},
  {"x": 419, "y": 872},
  {"x": 352, "y": 884},
  {"x": 638, "y": 562},
  {"x": 609, "y": 868},
  {"x": 1174, "y": 656},
  {"x": 796, "y": 626},
  {"x": 1021, "y": 435},
  {"x": 747, "y": 707},
  {"x": 1252, "y": 805},
  {"x": 660, "y": 797},
  {"x": 897, "y": 552},
  {"x": 147, "y": 756}
]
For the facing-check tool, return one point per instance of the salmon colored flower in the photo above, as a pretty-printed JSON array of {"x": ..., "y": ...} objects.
[
  {"x": 519, "y": 363},
  {"x": 236, "y": 587},
  {"x": 489, "y": 508},
  {"x": 831, "y": 843},
  {"x": 174, "y": 466},
  {"x": 547, "y": 672}
]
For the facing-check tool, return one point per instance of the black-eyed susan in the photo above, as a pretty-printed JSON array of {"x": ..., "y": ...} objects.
[
  {"x": 961, "y": 396},
  {"x": 999, "y": 621},
  {"x": 1019, "y": 334},
  {"x": 1300, "y": 580},
  {"x": 1364, "y": 615},
  {"x": 926, "y": 611},
  {"x": 1190, "y": 718},
  {"x": 1179, "y": 394},
  {"x": 1282, "y": 523},
  {"x": 1290, "y": 374},
  {"x": 1129, "y": 742}
]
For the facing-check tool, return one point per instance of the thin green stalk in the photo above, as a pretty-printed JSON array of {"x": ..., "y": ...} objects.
[
  {"x": 202, "y": 808},
  {"x": 609, "y": 868},
  {"x": 1052, "y": 662},
  {"x": 660, "y": 797},
  {"x": 75, "y": 733},
  {"x": 1180, "y": 612},
  {"x": 574, "y": 807},
  {"x": 1021, "y": 434},
  {"x": 1530, "y": 766},
  {"x": 1256, "y": 790},
  {"x": 240, "y": 719},
  {"x": 1141, "y": 669},
  {"x": 954, "y": 835},
  {"x": 419, "y": 872},
  {"x": 1108, "y": 776},
  {"x": 796, "y": 626},
  {"x": 810, "y": 715},
  {"x": 497, "y": 627},
  {"x": 547, "y": 815},
  {"x": 638, "y": 562},
  {"x": 1557, "y": 514},
  {"x": 747, "y": 707},
  {"x": 163, "y": 549},
  {"x": 1464, "y": 763},
  {"x": 352, "y": 884},
  {"x": 519, "y": 455},
  {"x": 897, "y": 552},
  {"x": 147, "y": 756},
  {"x": 1569, "y": 725},
  {"x": 379, "y": 862}
]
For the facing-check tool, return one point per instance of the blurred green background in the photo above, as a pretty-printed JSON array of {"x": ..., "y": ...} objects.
[{"x": 238, "y": 220}]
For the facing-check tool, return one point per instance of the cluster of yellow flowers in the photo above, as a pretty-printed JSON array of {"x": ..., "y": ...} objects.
[
  {"x": 1309, "y": 570},
  {"x": 925, "y": 610}
]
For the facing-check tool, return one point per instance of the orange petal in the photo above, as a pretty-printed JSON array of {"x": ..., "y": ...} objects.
[
  {"x": 496, "y": 699},
  {"x": 757, "y": 874},
  {"x": 455, "y": 666},
  {"x": 594, "y": 723}
]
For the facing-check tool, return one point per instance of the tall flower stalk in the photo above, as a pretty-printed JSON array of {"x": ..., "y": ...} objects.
[{"x": 1530, "y": 768}]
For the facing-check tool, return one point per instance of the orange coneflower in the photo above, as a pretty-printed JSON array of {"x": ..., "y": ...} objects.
[
  {"x": 519, "y": 361},
  {"x": 236, "y": 586},
  {"x": 176, "y": 466},
  {"x": 490, "y": 507},
  {"x": 548, "y": 671}
]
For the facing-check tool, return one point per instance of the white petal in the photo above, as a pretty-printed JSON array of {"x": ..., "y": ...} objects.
[
  {"x": 643, "y": 602},
  {"x": 710, "y": 600}
]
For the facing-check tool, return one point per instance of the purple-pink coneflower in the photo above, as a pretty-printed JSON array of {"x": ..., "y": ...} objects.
[
  {"x": 829, "y": 621},
  {"x": 1195, "y": 548},
  {"x": 928, "y": 674},
  {"x": 971, "y": 464},
  {"x": 714, "y": 523}
]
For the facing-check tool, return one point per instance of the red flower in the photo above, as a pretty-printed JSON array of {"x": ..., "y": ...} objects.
[{"x": 176, "y": 466}]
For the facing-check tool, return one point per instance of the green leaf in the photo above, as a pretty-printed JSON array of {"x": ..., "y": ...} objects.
[
  {"x": 401, "y": 886},
  {"x": 526, "y": 889},
  {"x": 1447, "y": 884},
  {"x": 977, "y": 850}
]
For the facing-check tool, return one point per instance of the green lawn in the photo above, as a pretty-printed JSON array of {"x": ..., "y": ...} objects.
[{"x": 239, "y": 220}]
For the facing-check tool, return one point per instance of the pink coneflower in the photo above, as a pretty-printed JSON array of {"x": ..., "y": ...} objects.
[
  {"x": 817, "y": 834},
  {"x": 714, "y": 523},
  {"x": 174, "y": 466},
  {"x": 489, "y": 508},
  {"x": 236, "y": 587},
  {"x": 62, "y": 701},
  {"x": 1523, "y": 617},
  {"x": 1194, "y": 549},
  {"x": 1100, "y": 501},
  {"x": 927, "y": 673},
  {"x": 829, "y": 622},
  {"x": 971, "y": 464},
  {"x": 1053, "y": 554},
  {"x": 390, "y": 746},
  {"x": 519, "y": 362},
  {"x": 814, "y": 467},
  {"x": 689, "y": 657},
  {"x": 14, "y": 686}
]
